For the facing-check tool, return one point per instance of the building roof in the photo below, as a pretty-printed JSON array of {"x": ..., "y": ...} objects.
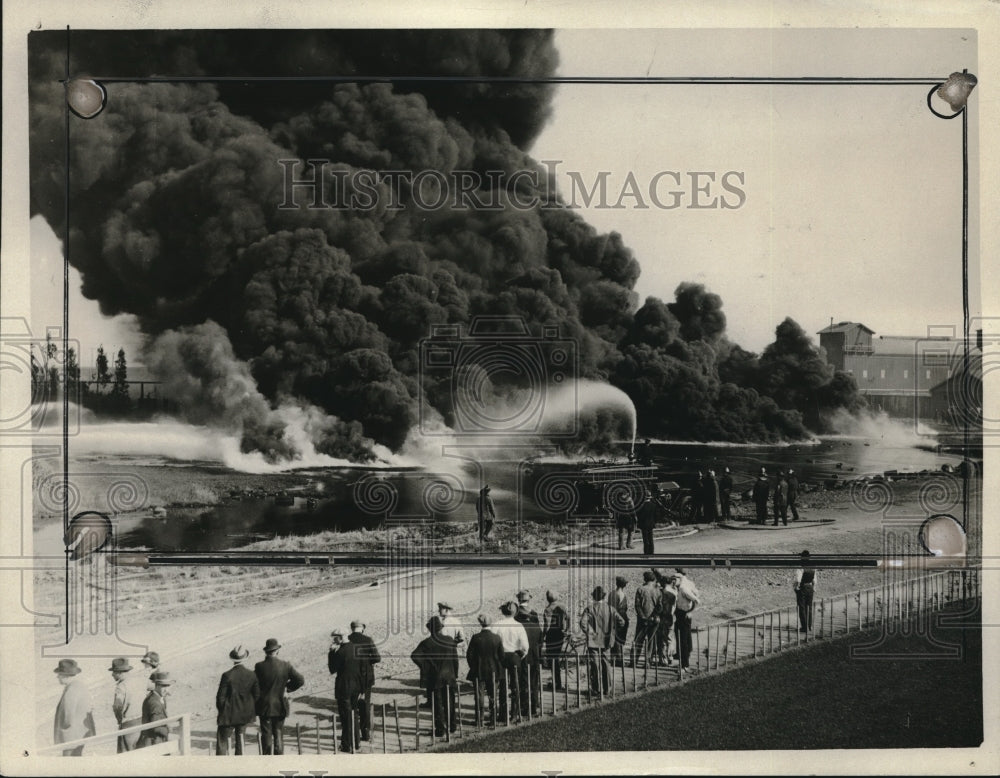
[{"x": 845, "y": 326}]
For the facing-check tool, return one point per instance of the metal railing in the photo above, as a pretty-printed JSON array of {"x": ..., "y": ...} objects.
[{"x": 404, "y": 724}]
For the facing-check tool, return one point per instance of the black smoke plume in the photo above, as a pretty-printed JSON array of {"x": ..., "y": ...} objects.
[{"x": 175, "y": 189}]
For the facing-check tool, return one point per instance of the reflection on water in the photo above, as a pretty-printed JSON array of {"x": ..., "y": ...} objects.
[{"x": 354, "y": 499}]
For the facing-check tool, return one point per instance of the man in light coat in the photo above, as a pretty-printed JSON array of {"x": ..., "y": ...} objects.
[
  {"x": 75, "y": 712},
  {"x": 127, "y": 701}
]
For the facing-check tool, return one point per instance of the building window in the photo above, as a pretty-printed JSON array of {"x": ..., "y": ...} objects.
[
  {"x": 864, "y": 373},
  {"x": 928, "y": 374},
  {"x": 906, "y": 374}
]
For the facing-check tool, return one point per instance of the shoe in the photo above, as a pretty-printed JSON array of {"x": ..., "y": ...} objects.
[{"x": 365, "y": 737}]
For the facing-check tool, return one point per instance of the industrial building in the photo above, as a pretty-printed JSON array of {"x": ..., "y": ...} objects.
[{"x": 909, "y": 377}]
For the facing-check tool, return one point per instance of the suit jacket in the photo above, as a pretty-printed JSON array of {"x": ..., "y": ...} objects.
[
  {"x": 598, "y": 624},
  {"x": 532, "y": 625},
  {"x": 485, "y": 656},
  {"x": 74, "y": 714},
  {"x": 275, "y": 676},
  {"x": 368, "y": 653},
  {"x": 437, "y": 658},
  {"x": 647, "y": 514},
  {"x": 154, "y": 708},
  {"x": 236, "y": 699},
  {"x": 350, "y": 665}
]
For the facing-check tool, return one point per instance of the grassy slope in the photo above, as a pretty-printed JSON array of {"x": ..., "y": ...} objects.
[{"x": 814, "y": 698}]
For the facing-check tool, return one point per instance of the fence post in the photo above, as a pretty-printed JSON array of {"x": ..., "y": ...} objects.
[
  {"x": 458, "y": 710},
  {"x": 433, "y": 714},
  {"x": 385, "y": 742},
  {"x": 736, "y": 642},
  {"x": 635, "y": 680},
  {"x": 579, "y": 696},
  {"x": 260, "y": 747},
  {"x": 754, "y": 637},
  {"x": 416, "y": 707},
  {"x": 697, "y": 641},
  {"x": 399, "y": 736},
  {"x": 184, "y": 741},
  {"x": 317, "y": 735}
]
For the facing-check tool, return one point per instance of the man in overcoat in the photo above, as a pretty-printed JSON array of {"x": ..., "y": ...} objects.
[
  {"x": 236, "y": 702},
  {"x": 275, "y": 676}
]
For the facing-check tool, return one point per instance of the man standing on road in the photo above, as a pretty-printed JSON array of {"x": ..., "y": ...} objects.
[
  {"x": 687, "y": 599},
  {"x": 625, "y": 521},
  {"x": 619, "y": 602},
  {"x": 598, "y": 624},
  {"x": 127, "y": 702},
  {"x": 647, "y": 608},
  {"x": 711, "y": 497},
  {"x": 793, "y": 494},
  {"x": 805, "y": 584},
  {"x": 555, "y": 629},
  {"x": 725, "y": 494},
  {"x": 485, "y": 658},
  {"x": 531, "y": 689},
  {"x": 485, "y": 512},
  {"x": 646, "y": 516},
  {"x": 75, "y": 712},
  {"x": 781, "y": 499},
  {"x": 236, "y": 703},
  {"x": 761, "y": 491},
  {"x": 275, "y": 676},
  {"x": 515, "y": 648}
]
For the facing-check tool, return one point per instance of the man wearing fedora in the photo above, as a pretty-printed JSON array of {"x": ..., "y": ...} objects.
[
  {"x": 485, "y": 658},
  {"x": 75, "y": 712},
  {"x": 127, "y": 701},
  {"x": 154, "y": 708},
  {"x": 151, "y": 663},
  {"x": 236, "y": 702},
  {"x": 598, "y": 624},
  {"x": 531, "y": 689},
  {"x": 275, "y": 676}
]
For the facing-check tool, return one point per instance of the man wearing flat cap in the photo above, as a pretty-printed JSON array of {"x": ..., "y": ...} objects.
[
  {"x": 236, "y": 701},
  {"x": 353, "y": 663},
  {"x": 75, "y": 712},
  {"x": 127, "y": 701},
  {"x": 275, "y": 676},
  {"x": 150, "y": 663},
  {"x": 437, "y": 658},
  {"x": 154, "y": 708},
  {"x": 515, "y": 648},
  {"x": 450, "y": 626},
  {"x": 598, "y": 624}
]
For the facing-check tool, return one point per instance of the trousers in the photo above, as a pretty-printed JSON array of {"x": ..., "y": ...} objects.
[
  {"x": 222, "y": 735},
  {"x": 271, "y": 740}
]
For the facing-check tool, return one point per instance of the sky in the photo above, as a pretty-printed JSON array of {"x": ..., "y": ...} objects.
[
  {"x": 852, "y": 193},
  {"x": 849, "y": 196}
]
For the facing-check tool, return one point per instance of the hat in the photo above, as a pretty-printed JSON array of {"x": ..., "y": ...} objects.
[
  {"x": 551, "y": 596},
  {"x": 598, "y": 593},
  {"x": 434, "y": 624},
  {"x": 120, "y": 665},
  {"x": 151, "y": 658},
  {"x": 443, "y": 606},
  {"x": 483, "y": 620},
  {"x": 485, "y": 488},
  {"x": 271, "y": 645},
  {"x": 161, "y": 678},
  {"x": 357, "y": 623},
  {"x": 67, "y": 667},
  {"x": 523, "y": 596},
  {"x": 508, "y": 607},
  {"x": 238, "y": 654},
  {"x": 648, "y": 576},
  {"x": 804, "y": 553},
  {"x": 620, "y": 580},
  {"x": 790, "y": 471},
  {"x": 337, "y": 633},
  {"x": 679, "y": 570}
]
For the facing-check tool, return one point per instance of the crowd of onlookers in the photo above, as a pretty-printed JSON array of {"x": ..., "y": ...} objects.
[{"x": 504, "y": 658}]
